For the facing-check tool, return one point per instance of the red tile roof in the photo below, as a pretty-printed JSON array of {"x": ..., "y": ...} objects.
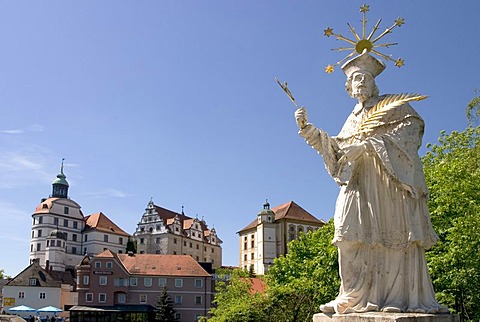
[
  {"x": 101, "y": 222},
  {"x": 47, "y": 204},
  {"x": 156, "y": 264},
  {"x": 289, "y": 210},
  {"x": 257, "y": 285}
]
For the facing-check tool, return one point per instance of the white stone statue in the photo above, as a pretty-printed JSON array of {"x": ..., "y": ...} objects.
[{"x": 382, "y": 224}]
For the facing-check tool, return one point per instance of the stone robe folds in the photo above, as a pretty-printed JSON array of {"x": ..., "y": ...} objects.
[{"x": 382, "y": 224}]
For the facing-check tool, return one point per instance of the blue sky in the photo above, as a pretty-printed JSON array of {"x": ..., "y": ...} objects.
[{"x": 176, "y": 100}]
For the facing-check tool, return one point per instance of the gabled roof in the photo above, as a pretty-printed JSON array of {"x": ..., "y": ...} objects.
[
  {"x": 168, "y": 218},
  {"x": 99, "y": 221},
  {"x": 289, "y": 210},
  {"x": 34, "y": 271},
  {"x": 257, "y": 285},
  {"x": 64, "y": 276},
  {"x": 160, "y": 265}
]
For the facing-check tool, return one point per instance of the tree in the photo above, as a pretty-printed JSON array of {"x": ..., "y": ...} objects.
[
  {"x": 2, "y": 274},
  {"x": 131, "y": 246},
  {"x": 452, "y": 171},
  {"x": 296, "y": 284},
  {"x": 164, "y": 308},
  {"x": 234, "y": 300},
  {"x": 306, "y": 277}
]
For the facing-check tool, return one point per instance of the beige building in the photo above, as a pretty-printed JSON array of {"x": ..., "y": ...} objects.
[
  {"x": 162, "y": 231},
  {"x": 267, "y": 237}
]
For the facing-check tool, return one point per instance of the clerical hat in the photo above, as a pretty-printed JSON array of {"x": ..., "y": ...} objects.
[{"x": 363, "y": 62}]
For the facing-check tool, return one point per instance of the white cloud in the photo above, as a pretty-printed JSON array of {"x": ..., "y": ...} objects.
[
  {"x": 31, "y": 128},
  {"x": 35, "y": 128},
  {"x": 23, "y": 166},
  {"x": 16, "y": 131},
  {"x": 108, "y": 193}
]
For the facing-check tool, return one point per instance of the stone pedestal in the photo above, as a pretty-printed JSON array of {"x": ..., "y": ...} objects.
[{"x": 385, "y": 317}]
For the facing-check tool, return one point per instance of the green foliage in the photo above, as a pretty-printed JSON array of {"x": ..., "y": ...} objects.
[
  {"x": 307, "y": 276},
  {"x": 473, "y": 110},
  {"x": 234, "y": 301},
  {"x": 296, "y": 284},
  {"x": 131, "y": 246},
  {"x": 164, "y": 310},
  {"x": 452, "y": 171}
]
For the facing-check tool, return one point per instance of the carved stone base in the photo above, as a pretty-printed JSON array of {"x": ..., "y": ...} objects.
[{"x": 385, "y": 317}]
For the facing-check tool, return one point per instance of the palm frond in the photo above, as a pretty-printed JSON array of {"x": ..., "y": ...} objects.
[{"x": 377, "y": 112}]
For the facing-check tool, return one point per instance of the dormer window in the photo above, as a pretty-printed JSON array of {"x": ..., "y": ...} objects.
[{"x": 32, "y": 282}]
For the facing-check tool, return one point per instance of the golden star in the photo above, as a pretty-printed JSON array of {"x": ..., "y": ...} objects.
[
  {"x": 328, "y": 32},
  {"x": 329, "y": 69},
  {"x": 399, "y": 62},
  {"x": 365, "y": 8},
  {"x": 399, "y": 22}
]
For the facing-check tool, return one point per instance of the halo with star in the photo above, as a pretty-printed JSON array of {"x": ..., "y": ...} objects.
[{"x": 365, "y": 42}]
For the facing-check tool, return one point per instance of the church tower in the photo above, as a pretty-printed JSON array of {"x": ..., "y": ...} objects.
[
  {"x": 60, "y": 185},
  {"x": 56, "y": 240},
  {"x": 266, "y": 240}
]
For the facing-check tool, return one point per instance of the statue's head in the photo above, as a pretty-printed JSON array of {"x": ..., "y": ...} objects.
[
  {"x": 361, "y": 72},
  {"x": 361, "y": 85}
]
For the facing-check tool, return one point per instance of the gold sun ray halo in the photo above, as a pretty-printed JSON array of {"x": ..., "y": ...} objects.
[{"x": 365, "y": 42}]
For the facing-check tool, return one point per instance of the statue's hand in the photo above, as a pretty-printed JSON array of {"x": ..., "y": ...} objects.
[
  {"x": 301, "y": 117},
  {"x": 352, "y": 152}
]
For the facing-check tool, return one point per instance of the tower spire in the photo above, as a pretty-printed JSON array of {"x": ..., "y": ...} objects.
[{"x": 60, "y": 185}]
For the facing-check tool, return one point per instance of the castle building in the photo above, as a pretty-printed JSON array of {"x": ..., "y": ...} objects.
[
  {"x": 62, "y": 235},
  {"x": 267, "y": 237},
  {"x": 162, "y": 231}
]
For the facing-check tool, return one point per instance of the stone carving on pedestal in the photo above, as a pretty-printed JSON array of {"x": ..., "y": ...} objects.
[{"x": 382, "y": 224}]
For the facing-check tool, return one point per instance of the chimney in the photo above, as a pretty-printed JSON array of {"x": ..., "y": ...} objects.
[{"x": 47, "y": 265}]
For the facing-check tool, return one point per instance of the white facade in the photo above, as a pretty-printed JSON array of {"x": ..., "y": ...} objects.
[
  {"x": 162, "y": 231},
  {"x": 268, "y": 236},
  {"x": 62, "y": 235},
  {"x": 35, "y": 297},
  {"x": 54, "y": 215}
]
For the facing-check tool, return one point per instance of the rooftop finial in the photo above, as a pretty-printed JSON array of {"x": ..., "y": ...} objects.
[
  {"x": 266, "y": 205},
  {"x": 61, "y": 168}
]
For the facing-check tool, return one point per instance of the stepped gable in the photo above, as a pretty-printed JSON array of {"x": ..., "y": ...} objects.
[
  {"x": 289, "y": 210},
  {"x": 168, "y": 218},
  {"x": 99, "y": 221}
]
